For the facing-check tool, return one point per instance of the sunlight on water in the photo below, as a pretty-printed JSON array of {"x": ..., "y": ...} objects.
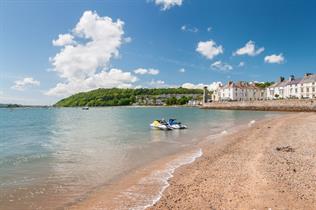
[{"x": 51, "y": 157}]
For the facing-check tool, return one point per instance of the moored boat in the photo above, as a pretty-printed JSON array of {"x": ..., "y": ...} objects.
[
  {"x": 176, "y": 125},
  {"x": 160, "y": 124}
]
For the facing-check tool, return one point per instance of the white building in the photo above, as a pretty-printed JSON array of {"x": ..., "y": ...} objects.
[
  {"x": 240, "y": 91},
  {"x": 308, "y": 86},
  {"x": 293, "y": 88}
]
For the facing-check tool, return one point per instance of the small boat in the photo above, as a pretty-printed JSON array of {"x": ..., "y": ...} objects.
[
  {"x": 160, "y": 124},
  {"x": 85, "y": 108},
  {"x": 176, "y": 125}
]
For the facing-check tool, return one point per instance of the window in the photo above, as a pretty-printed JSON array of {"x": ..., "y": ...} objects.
[
  {"x": 302, "y": 90},
  {"x": 313, "y": 89},
  {"x": 295, "y": 90},
  {"x": 307, "y": 89}
]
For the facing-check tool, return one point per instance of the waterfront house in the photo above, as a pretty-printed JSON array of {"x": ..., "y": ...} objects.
[
  {"x": 293, "y": 88},
  {"x": 277, "y": 90},
  {"x": 239, "y": 91},
  {"x": 308, "y": 86}
]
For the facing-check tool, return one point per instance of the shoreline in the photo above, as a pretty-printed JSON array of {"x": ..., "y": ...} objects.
[
  {"x": 158, "y": 173},
  {"x": 260, "y": 167},
  {"x": 285, "y": 105},
  {"x": 145, "y": 181}
]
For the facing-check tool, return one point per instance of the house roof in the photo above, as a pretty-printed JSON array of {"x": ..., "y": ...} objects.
[
  {"x": 305, "y": 79},
  {"x": 241, "y": 85},
  {"x": 279, "y": 84},
  {"x": 308, "y": 79},
  {"x": 295, "y": 81}
]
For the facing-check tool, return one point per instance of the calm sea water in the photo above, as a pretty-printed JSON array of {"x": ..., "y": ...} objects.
[{"x": 52, "y": 157}]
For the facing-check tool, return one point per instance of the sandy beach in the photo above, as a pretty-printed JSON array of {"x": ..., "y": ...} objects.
[{"x": 270, "y": 165}]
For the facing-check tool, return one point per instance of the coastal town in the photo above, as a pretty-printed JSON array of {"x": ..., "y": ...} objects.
[{"x": 291, "y": 88}]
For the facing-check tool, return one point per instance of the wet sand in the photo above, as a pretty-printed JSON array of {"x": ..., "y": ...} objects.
[{"x": 270, "y": 165}]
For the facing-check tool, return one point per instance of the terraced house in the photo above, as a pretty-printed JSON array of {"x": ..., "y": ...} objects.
[
  {"x": 299, "y": 88},
  {"x": 239, "y": 91}
]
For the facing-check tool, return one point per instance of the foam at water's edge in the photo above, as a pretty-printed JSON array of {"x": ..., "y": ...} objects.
[
  {"x": 174, "y": 165},
  {"x": 156, "y": 181}
]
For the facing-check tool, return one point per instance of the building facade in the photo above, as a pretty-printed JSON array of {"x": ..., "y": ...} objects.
[
  {"x": 299, "y": 88},
  {"x": 240, "y": 91}
]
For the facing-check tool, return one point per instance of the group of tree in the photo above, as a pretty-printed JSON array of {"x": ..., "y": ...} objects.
[
  {"x": 122, "y": 97},
  {"x": 177, "y": 101},
  {"x": 264, "y": 84}
]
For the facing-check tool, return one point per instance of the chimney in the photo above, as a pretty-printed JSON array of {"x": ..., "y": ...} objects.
[
  {"x": 291, "y": 78},
  {"x": 307, "y": 74},
  {"x": 281, "y": 79}
]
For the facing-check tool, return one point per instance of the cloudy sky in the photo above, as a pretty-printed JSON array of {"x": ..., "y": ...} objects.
[{"x": 49, "y": 50}]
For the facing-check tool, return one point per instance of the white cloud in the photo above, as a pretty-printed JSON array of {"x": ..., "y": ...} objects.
[
  {"x": 84, "y": 65},
  {"x": 103, "y": 37},
  {"x": 249, "y": 49},
  {"x": 189, "y": 29},
  {"x": 182, "y": 70},
  {"x": 64, "y": 39},
  {"x": 220, "y": 66},
  {"x": 24, "y": 83},
  {"x": 128, "y": 39},
  {"x": 167, "y": 4},
  {"x": 158, "y": 84},
  {"x": 211, "y": 87},
  {"x": 104, "y": 79},
  {"x": 143, "y": 71},
  {"x": 209, "y": 29},
  {"x": 241, "y": 64},
  {"x": 274, "y": 58},
  {"x": 209, "y": 49}
]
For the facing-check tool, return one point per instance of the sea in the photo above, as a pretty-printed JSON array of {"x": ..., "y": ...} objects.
[{"x": 53, "y": 158}]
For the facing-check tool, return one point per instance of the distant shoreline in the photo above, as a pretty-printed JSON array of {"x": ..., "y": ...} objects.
[{"x": 58, "y": 107}]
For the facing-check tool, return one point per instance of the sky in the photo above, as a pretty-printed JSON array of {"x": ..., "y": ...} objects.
[{"x": 53, "y": 49}]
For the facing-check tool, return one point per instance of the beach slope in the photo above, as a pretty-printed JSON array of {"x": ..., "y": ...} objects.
[{"x": 271, "y": 164}]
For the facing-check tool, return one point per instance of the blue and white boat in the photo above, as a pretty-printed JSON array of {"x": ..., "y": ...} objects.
[{"x": 176, "y": 125}]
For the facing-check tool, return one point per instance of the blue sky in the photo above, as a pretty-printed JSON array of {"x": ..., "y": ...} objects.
[{"x": 153, "y": 44}]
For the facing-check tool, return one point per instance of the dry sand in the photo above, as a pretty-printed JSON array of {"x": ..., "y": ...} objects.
[{"x": 271, "y": 165}]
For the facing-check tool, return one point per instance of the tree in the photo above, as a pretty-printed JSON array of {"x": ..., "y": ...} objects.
[{"x": 116, "y": 96}]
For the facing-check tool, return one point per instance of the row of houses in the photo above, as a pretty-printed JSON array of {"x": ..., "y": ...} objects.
[
  {"x": 299, "y": 88},
  {"x": 304, "y": 87}
]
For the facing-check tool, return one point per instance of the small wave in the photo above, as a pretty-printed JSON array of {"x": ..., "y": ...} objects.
[
  {"x": 251, "y": 123},
  {"x": 21, "y": 159},
  {"x": 149, "y": 190}
]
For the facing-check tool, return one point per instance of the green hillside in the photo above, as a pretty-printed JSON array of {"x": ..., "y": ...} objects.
[{"x": 121, "y": 97}]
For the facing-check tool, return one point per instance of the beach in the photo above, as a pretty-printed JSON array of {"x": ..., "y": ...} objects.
[
  {"x": 269, "y": 165},
  {"x": 225, "y": 160},
  {"x": 102, "y": 158}
]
